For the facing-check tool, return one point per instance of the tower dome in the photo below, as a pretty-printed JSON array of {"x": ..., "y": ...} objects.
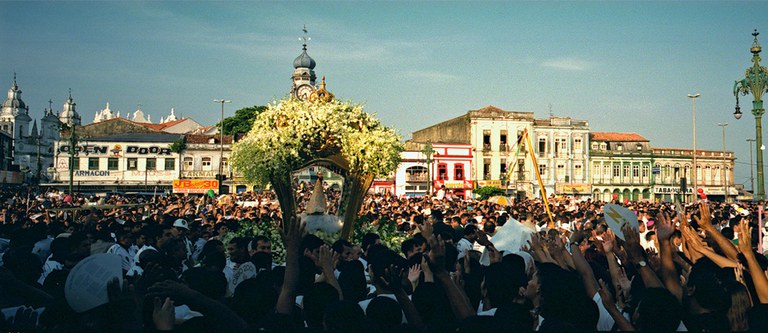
[
  {"x": 13, "y": 102},
  {"x": 304, "y": 60}
]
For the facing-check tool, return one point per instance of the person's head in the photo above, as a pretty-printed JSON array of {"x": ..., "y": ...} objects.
[
  {"x": 408, "y": 247},
  {"x": 260, "y": 244},
  {"x": 310, "y": 245},
  {"x": 238, "y": 250},
  {"x": 316, "y": 300},
  {"x": 658, "y": 311},
  {"x": 352, "y": 280},
  {"x": 346, "y": 316},
  {"x": 344, "y": 249},
  {"x": 470, "y": 233},
  {"x": 212, "y": 284},
  {"x": 384, "y": 312},
  {"x": 180, "y": 228},
  {"x": 163, "y": 233},
  {"x": 740, "y": 306},
  {"x": 368, "y": 240},
  {"x": 706, "y": 286}
]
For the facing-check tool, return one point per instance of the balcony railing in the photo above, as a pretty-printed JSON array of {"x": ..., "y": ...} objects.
[{"x": 416, "y": 178}]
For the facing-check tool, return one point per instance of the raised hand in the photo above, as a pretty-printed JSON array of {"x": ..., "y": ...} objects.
[
  {"x": 427, "y": 229},
  {"x": 392, "y": 279},
  {"x": 437, "y": 254},
  {"x": 745, "y": 237},
  {"x": 664, "y": 227},
  {"x": 164, "y": 314},
  {"x": 413, "y": 275},
  {"x": 609, "y": 241},
  {"x": 632, "y": 244}
]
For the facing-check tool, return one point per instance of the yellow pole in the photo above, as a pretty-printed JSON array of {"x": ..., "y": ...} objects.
[{"x": 538, "y": 177}]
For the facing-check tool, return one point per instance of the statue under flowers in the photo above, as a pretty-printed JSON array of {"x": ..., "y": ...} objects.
[{"x": 292, "y": 134}]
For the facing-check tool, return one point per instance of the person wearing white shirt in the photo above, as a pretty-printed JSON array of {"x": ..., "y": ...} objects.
[
  {"x": 121, "y": 249},
  {"x": 467, "y": 242}
]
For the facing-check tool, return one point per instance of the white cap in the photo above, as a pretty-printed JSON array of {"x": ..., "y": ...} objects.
[{"x": 181, "y": 223}]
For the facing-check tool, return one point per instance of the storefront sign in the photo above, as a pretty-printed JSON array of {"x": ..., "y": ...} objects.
[
  {"x": 198, "y": 174},
  {"x": 116, "y": 150},
  {"x": 199, "y": 186},
  {"x": 492, "y": 183},
  {"x": 454, "y": 184},
  {"x": 670, "y": 190},
  {"x": 574, "y": 188},
  {"x": 91, "y": 173}
]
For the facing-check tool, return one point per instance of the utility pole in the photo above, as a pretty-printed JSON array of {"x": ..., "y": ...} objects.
[
  {"x": 221, "y": 142},
  {"x": 725, "y": 166},
  {"x": 72, "y": 145}
]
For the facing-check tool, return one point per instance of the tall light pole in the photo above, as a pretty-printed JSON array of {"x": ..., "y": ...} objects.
[
  {"x": 221, "y": 141},
  {"x": 695, "y": 172},
  {"x": 755, "y": 81},
  {"x": 725, "y": 166},
  {"x": 428, "y": 152},
  {"x": 751, "y": 168}
]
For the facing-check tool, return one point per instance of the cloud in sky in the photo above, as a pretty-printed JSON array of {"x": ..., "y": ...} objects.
[{"x": 567, "y": 64}]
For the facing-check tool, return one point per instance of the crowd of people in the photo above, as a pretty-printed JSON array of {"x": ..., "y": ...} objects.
[{"x": 684, "y": 267}]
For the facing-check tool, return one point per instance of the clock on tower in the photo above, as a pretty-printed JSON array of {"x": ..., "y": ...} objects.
[{"x": 303, "y": 91}]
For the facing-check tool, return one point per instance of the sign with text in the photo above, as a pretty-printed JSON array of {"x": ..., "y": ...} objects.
[
  {"x": 454, "y": 184},
  {"x": 670, "y": 190},
  {"x": 198, "y": 174},
  {"x": 196, "y": 186},
  {"x": 574, "y": 188},
  {"x": 493, "y": 183}
]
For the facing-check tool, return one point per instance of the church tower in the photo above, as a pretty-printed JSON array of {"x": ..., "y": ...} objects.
[
  {"x": 303, "y": 78},
  {"x": 13, "y": 108},
  {"x": 69, "y": 115}
]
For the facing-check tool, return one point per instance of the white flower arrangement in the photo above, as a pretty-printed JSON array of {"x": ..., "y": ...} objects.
[{"x": 291, "y": 133}]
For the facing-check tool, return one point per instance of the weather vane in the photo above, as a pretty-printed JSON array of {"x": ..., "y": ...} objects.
[{"x": 305, "y": 38}]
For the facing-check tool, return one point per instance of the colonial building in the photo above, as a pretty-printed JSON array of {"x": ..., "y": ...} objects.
[
  {"x": 673, "y": 165},
  {"x": 124, "y": 162},
  {"x": 202, "y": 155},
  {"x": 562, "y": 154},
  {"x": 449, "y": 166},
  {"x": 621, "y": 166}
]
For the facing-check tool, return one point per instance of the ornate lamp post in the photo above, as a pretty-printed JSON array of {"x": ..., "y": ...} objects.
[
  {"x": 725, "y": 165},
  {"x": 693, "y": 98},
  {"x": 72, "y": 154},
  {"x": 756, "y": 83}
]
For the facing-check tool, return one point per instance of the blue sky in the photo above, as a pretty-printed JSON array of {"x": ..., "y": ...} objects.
[{"x": 624, "y": 66}]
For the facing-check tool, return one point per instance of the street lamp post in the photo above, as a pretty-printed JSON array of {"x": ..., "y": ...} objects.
[
  {"x": 695, "y": 172},
  {"x": 725, "y": 166},
  {"x": 221, "y": 142},
  {"x": 751, "y": 168},
  {"x": 428, "y": 151},
  {"x": 756, "y": 83},
  {"x": 72, "y": 145}
]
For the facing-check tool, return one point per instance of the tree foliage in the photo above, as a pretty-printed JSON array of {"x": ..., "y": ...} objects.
[
  {"x": 242, "y": 121},
  {"x": 486, "y": 192}
]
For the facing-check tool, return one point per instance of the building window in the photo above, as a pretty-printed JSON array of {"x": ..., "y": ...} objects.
[
  {"x": 707, "y": 173},
  {"x": 646, "y": 171},
  {"x": 503, "y": 167},
  {"x": 560, "y": 172},
  {"x": 578, "y": 173},
  {"x": 151, "y": 164},
  {"x": 596, "y": 170},
  {"x": 542, "y": 170},
  {"x": 207, "y": 164},
  {"x": 542, "y": 147},
  {"x": 93, "y": 163},
  {"x": 698, "y": 173},
  {"x": 225, "y": 164},
  {"x": 639, "y": 146},
  {"x": 577, "y": 144},
  {"x": 76, "y": 163},
  {"x": 625, "y": 170},
  {"x": 170, "y": 164},
  {"x": 486, "y": 169},
  {"x": 635, "y": 170},
  {"x": 486, "y": 140},
  {"x": 442, "y": 171},
  {"x": 112, "y": 163},
  {"x": 594, "y": 145},
  {"x": 133, "y": 164},
  {"x": 189, "y": 163},
  {"x": 503, "y": 141},
  {"x": 616, "y": 171},
  {"x": 458, "y": 170},
  {"x": 606, "y": 170},
  {"x": 619, "y": 147},
  {"x": 603, "y": 146}
]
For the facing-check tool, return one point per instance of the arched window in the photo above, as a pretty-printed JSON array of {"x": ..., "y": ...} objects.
[
  {"x": 189, "y": 163},
  {"x": 207, "y": 164},
  {"x": 416, "y": 174}
]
